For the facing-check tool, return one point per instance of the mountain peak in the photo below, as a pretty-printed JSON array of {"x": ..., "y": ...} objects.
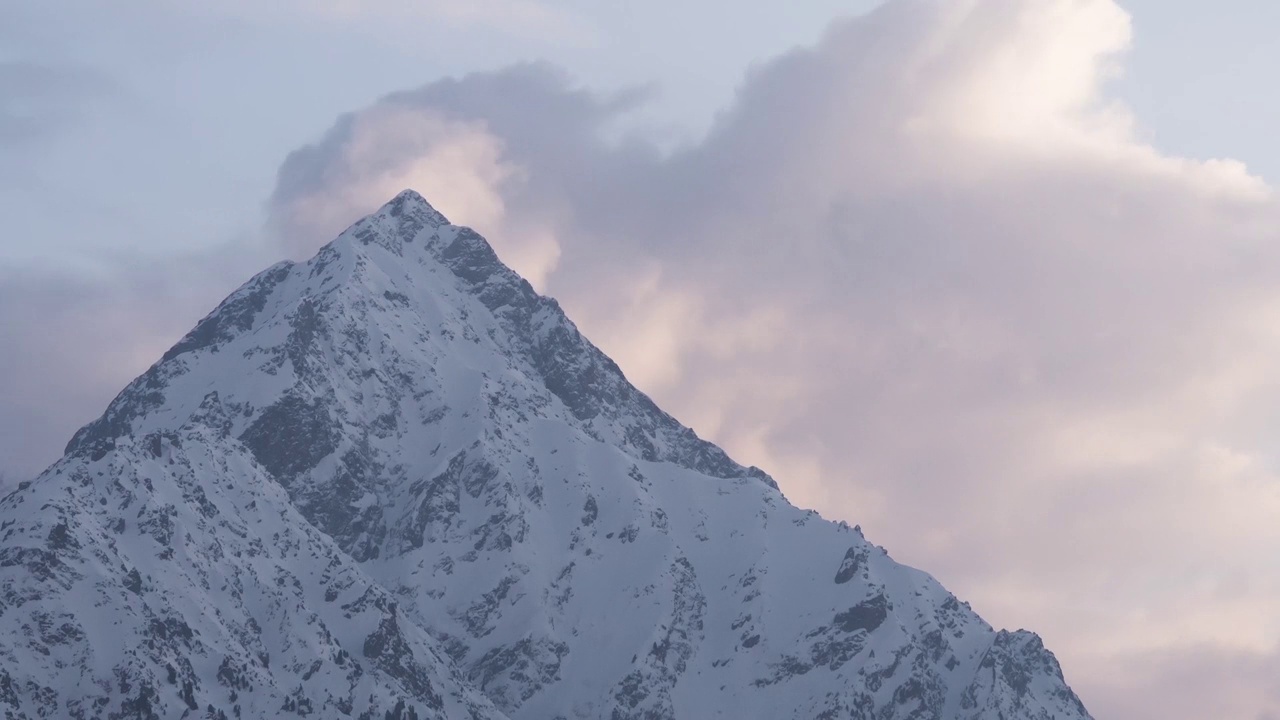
[
  {"x": 410, "y": 202},
  {"x": 394, "y": 481},
  {"x": 412, "y": 268},
  {"x": 396, "y": 224}
]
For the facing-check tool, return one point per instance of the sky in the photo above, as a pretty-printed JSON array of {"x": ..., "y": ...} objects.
[{"x": 997, "y": 280}]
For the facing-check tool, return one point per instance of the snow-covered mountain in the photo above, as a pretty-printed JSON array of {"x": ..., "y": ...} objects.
[{"x": 395, "y": 482}]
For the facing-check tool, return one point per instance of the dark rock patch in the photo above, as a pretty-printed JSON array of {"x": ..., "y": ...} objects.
[
  {"x": 849, "y": 566},
  {"x": 865, "y": 616},
  {"x": 291, "y": 437}
]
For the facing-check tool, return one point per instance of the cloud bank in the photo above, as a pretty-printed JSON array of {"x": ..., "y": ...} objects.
[{"x": 926, "y": 273}]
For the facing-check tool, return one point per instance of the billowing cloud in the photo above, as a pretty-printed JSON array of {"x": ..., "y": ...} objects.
[
  {"x": 928, "y": 274},
  {"x": 461, "y": 144}
]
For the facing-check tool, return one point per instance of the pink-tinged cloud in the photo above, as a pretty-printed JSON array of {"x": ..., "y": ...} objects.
[{"x": 928, "y": 274}]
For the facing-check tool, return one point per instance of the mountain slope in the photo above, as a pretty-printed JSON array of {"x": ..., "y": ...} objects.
[{"x": 394, "y": 479}]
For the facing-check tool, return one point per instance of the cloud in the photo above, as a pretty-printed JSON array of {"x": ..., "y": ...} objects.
[
  {"x": 1169, "y": 683},
  {"x": 926, "y": 273},
  {"x": 389, "y": 149},
  {"x": 452, "y": 141}
]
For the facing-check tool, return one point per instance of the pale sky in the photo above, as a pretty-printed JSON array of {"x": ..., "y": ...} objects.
[
  {"x": 996, "y": 279},
  {"x": 148, "y": 99}
]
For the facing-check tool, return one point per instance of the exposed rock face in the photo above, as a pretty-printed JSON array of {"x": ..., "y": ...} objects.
[{"x": 395, "y": 482}]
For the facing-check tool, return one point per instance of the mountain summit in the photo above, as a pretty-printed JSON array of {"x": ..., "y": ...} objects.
[{"x": 394, "y": 482}]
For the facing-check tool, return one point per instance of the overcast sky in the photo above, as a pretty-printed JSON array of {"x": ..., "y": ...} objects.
[{"x": 996, "y": 279}]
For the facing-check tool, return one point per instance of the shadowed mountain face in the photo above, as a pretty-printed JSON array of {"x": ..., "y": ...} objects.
[{"x": 394, "y": 482}]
